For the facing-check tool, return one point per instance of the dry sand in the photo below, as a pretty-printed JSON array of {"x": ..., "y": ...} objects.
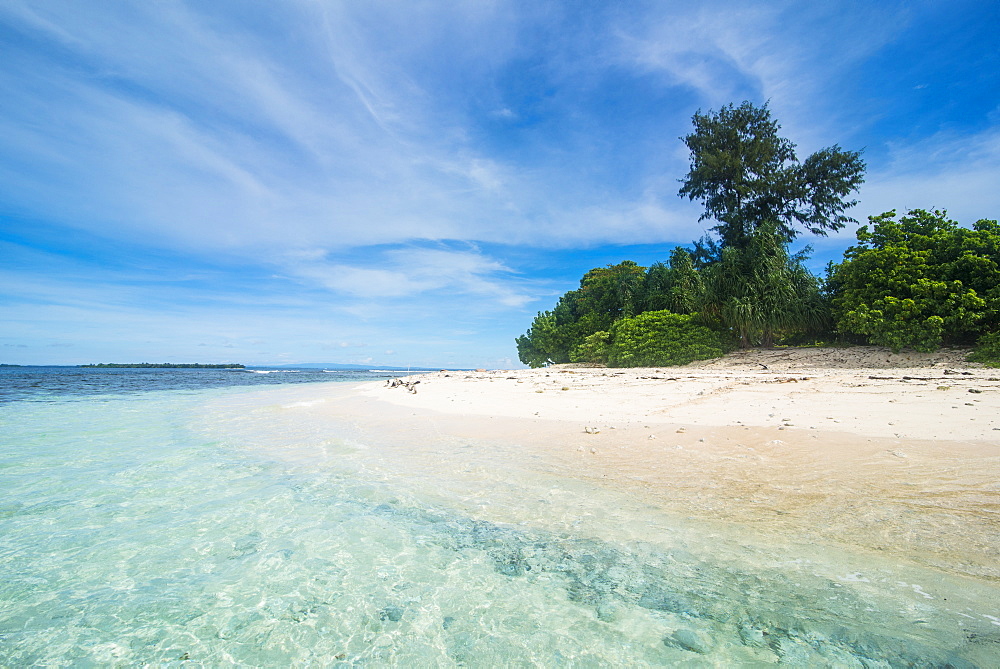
[{"x": 856, "y": 447}]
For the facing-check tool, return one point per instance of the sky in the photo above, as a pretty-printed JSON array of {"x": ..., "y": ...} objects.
[{"x": 409, "y": 182}]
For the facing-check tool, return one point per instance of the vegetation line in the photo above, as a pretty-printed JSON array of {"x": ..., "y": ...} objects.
[{"x": 919, "y": 281}]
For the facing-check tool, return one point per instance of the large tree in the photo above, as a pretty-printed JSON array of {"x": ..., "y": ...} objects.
[{"x": 746, "y": 175}]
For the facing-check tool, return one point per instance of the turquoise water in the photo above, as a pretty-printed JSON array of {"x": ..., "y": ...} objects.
[{"x": 230, "y": 526}]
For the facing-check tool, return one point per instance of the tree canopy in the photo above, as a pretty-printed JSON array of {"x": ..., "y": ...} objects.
[{"x": 746, "y": 175}]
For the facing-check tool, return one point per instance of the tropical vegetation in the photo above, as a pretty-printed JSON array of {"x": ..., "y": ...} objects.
[
  {"x": 916, "y": 281},
  {"x": 919, "y": 282}
]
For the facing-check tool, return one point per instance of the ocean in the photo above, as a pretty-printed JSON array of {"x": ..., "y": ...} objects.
[{"x": 215, "y": 518}]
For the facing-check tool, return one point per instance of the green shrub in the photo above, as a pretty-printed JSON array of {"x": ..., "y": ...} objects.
[
  {"x": 662, "y": 338},
  {"x": 987, "y": 350},
  {"x": 593, "y": 349},
  {"x": 919, "y": 282}
]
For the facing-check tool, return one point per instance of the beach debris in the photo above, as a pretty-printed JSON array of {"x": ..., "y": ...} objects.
[
  {"x": 411, "y": 386},
  {"x": 681, "y": 430},
  {"x": 591, "y": 430},
  {"x": 944, "y": 387},
  {"x": 652, "y": 436},
  {"x": 975, "y": 390},
  {"x": 565, "y": 387}
]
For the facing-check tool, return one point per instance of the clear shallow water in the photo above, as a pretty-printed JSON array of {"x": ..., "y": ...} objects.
[{"x": 229, "y": 526}]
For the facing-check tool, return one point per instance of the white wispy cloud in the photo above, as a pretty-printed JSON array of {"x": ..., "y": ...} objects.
[
  {"x": 784, "y": 53},
  {"x": 400, "y": 273},
  {"x": 209, "y": 138},
  {"x": 958, "y": 173}
]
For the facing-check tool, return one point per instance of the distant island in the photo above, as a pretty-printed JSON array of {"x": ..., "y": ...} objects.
[{"x": 163, "y": 365}]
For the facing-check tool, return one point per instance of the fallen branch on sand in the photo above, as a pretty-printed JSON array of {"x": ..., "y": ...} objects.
[{"x": 400, "y": 383}]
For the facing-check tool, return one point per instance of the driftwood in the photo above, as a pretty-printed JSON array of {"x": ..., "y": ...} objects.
[
  {"x": 921, "y": 378},
  {"x": 400, "y": 383}
]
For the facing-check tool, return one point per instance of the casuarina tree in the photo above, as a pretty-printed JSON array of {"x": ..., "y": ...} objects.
[{"x": 746, "y": 175}]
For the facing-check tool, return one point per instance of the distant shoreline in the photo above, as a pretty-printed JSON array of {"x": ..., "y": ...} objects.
[{"x": 162, "y": 365}]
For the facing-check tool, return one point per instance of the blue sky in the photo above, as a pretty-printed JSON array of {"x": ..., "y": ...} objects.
[{"x": 408, "y": 182}]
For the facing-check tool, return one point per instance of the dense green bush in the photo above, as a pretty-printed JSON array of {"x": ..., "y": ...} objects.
[
  {"x": 593, "y": 349},
  {"x": 987, "y": 350},
  {"x": 919, "y": 282},
  {"x": 661, "y": 338}
]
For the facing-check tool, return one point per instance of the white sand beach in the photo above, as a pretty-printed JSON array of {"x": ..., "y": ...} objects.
[{"x": 856, "y": 447}]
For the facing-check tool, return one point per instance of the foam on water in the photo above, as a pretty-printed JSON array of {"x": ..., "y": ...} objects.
[{"x": 221, "y": 528}]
